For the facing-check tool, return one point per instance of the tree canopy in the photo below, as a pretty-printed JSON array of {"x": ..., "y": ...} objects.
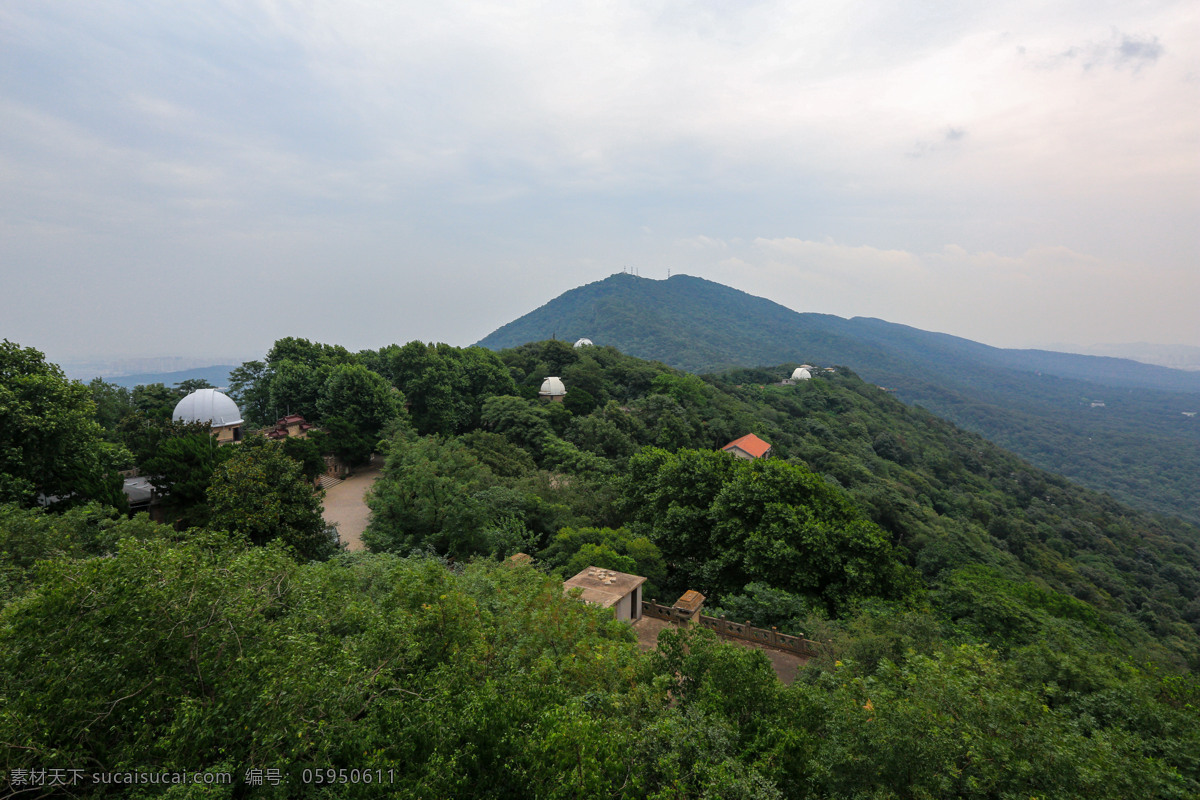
[{"x": 51, "y": 447}]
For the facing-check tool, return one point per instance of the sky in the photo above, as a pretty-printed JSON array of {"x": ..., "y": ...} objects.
[{"x": 198, "y": 179}]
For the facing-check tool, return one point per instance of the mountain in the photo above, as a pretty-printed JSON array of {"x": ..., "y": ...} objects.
[
  {"x": 216, "y": 375},
  {"x": 1176, "y": 356},
  {"x": 1111, "y": 424}
]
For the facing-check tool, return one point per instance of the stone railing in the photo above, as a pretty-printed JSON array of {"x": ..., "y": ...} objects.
[
  {"x": 650, "y": 608},
  {"x": 735, "y": 630},
  {"x": 770, "y": 638}
]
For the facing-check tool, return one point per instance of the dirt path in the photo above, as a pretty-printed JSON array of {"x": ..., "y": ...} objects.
[{"x": 344, "y": 505}]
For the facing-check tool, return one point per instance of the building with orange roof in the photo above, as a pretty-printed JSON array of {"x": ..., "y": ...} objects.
[{"x": 749, "y": 446}]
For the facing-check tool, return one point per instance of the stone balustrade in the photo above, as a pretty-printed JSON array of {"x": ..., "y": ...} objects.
[{"x": 735, "y": 630}]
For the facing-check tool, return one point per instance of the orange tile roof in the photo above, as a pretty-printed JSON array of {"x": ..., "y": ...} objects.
[{"x": 749, "y": 444}]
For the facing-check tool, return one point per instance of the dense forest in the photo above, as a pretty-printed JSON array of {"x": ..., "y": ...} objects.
[
  {"x": 1114, "y": 425},
  {"x": 987, "y": 629}
]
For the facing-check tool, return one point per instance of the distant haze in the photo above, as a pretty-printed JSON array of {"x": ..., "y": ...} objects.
[
  {"x": 1174, "y": 356},
  {"x": 197, "y": 180}
]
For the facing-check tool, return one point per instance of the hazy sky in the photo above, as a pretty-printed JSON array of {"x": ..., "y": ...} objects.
[{"x": 201, "y": 178}]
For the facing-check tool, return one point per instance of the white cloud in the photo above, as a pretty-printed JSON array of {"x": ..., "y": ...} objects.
[{"x": 254, "y": 139}]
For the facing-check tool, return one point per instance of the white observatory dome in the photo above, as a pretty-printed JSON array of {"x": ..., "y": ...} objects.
[
  {"x": 208, "y": 405},
  {"x": 584, "y": 343},
  {"x": 801, "y": 374},
  {"x": 552, "y": 387}
]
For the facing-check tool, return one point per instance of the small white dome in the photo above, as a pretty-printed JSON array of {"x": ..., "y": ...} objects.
[
  {"x": 584, "y": 343},
  {"x": 208, "y": 405},
  {"x": 552, "y": 387},
  {"x": 801, "y": 374}
]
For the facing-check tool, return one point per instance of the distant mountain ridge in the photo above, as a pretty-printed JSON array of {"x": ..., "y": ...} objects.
[
  {"x": 216, "y": 375},
  {"x": 1111, "y": 424},
  {"x": 1176, "y": 356}
]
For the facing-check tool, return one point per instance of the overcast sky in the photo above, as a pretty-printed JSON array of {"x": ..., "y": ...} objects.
[{"x": 201, "y": 178}]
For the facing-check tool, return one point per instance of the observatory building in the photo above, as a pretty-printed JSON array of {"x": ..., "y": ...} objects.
[
  {"x": 583, "y": 343},
  {"x": 801, "y": 374},
  {"x": 552, "y": 390},
  {"x": 213, "y": 408}
]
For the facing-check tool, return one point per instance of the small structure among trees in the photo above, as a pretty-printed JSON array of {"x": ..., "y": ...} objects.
[
  {"x": 210, "y": 407},
  {"x": 748, "y": 446},
  {"x": 291, "y": 426},
  {"x": 608, "y": 588},
  {"x": 553, "y": 390}
]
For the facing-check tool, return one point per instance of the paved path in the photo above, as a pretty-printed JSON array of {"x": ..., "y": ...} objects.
[{"x": 344, "y": 505}]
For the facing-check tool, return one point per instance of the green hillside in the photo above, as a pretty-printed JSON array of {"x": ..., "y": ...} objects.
[
  {"x": 986, "y": 629},
  {"x": 1112, "y": 425}
]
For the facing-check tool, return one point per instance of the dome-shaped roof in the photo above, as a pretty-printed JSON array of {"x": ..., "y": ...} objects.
[
  {"x": 584, "y": 343},
  {"x": 552, "y": 387},
  {"x": 208, "y": 405},
  {"x": 801, "y": 374}
]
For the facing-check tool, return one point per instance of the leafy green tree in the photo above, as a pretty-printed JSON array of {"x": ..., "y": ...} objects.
[
  {"x": 598, "y": 434},
  {"x": 445, "y": 386},
  {"x": 295, "y": 387},
  {"x": 186, "y": 387},
  {"x": 155, "y": 400},
  {"x": 768, "y": 607},
  {"x": 261, "y": 493},
  {"x": 50, "y": 442},
  {"x": 294, "y": 350},
  {"x": 29, "y": 536},
  {"x": 113, "y": 403},
  {"x": 250, "y": 388},
  {"x": 181, "y": 469},
  {"x": 426, "y": 498},
  {"x": 725, "y": 522},
  {"x": 579, "y": 401},
  {"x": 497, "y": 454},
  {"x": 306, "y": 452},
  {"x": 574, "y": 549},
  {"x": 341, "y": 438},
  {"x": 361, "y": 397},
  {"x": 526, "y": 424}
]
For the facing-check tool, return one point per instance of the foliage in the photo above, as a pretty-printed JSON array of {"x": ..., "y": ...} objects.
[
  {"x": 250, "y": 388},
  {"x": 181, "y": 467},
  {"x": 1138, "y": 446},
  {"x": 262, "y": 494},
  {"x": 984, "y": 629},
  {"x": 306, "y": 452},
  {"x": 361, "y": 397},
  {"x": 724, "y": 522},
  {"x": 50, "y": 443},
  {"x": 427, "y": 497},
  {"x": 155, "y": 400},
  {"x": 28, "y": 536},
  {"x": 572, "y": 550},
  {"x": 113, "y": 404},
  {"x": 445, "y": 386}
]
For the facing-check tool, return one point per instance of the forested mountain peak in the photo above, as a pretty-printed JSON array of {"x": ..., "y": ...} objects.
[{"x": 1110, "y": 424}]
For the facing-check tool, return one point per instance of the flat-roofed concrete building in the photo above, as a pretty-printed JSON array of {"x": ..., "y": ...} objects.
[{"x": 608, "y": 588}]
